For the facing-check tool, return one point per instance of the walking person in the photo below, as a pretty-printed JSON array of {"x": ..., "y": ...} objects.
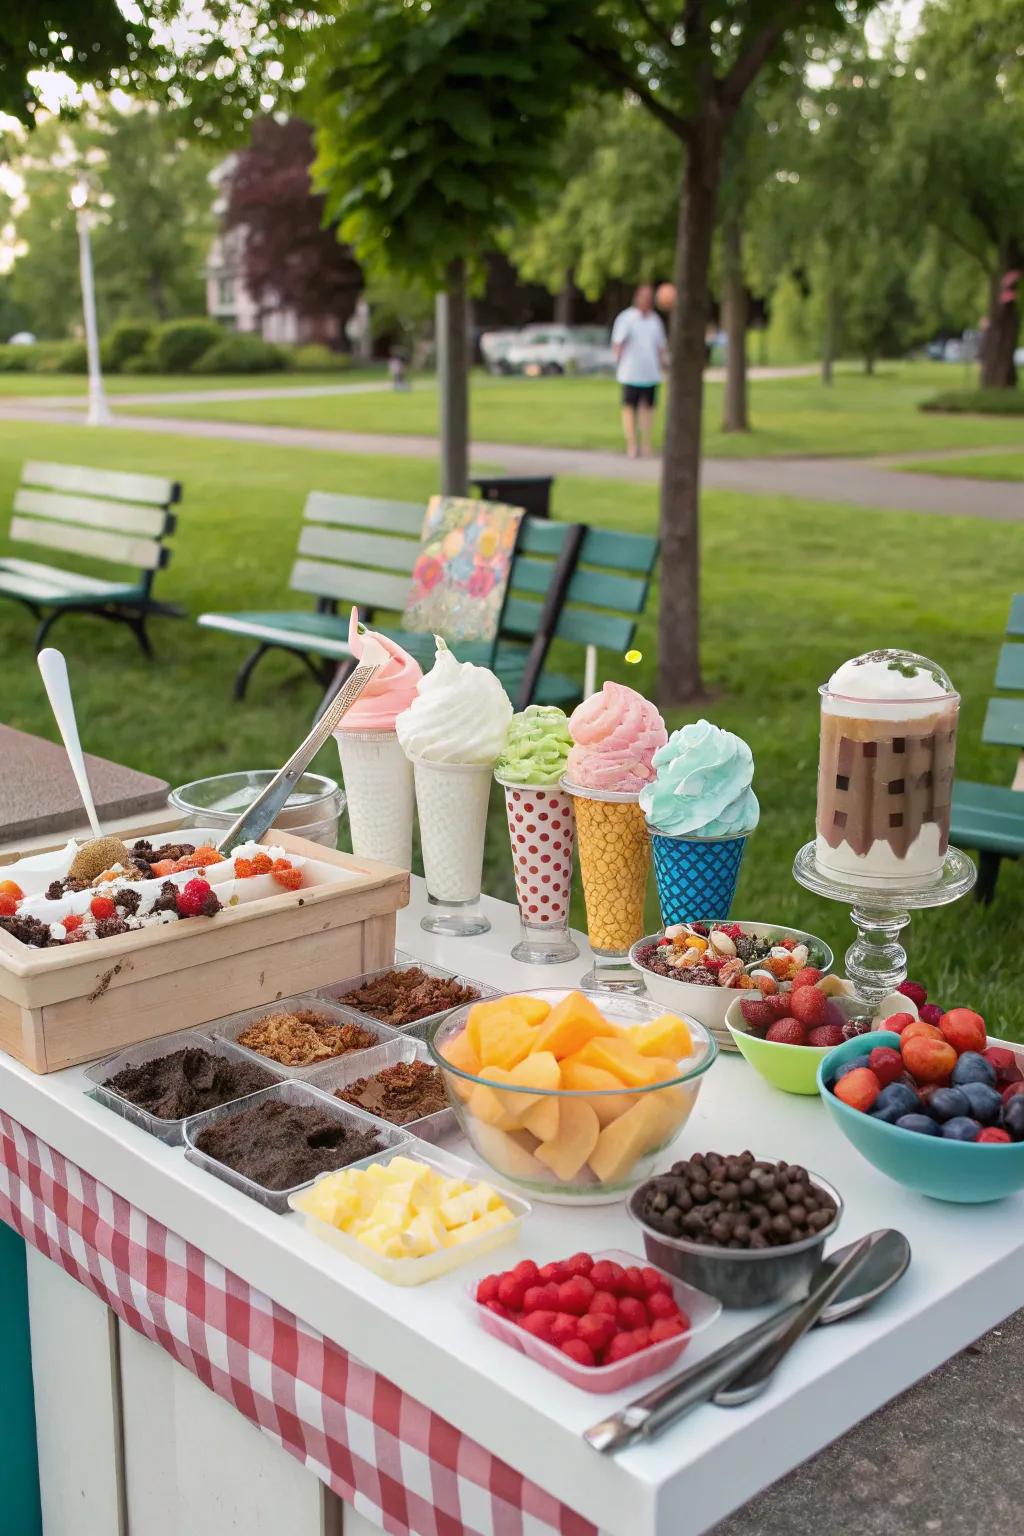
[{"x": 641, "y": 351}]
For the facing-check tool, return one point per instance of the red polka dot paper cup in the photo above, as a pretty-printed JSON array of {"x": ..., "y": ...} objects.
[{"x": 542, "y": 831}]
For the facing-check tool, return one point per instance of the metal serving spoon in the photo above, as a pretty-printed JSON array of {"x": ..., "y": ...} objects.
[{"x": 865, "y": 1270}]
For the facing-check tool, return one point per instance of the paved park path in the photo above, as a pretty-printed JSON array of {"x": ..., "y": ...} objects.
[{"x": 873, "y": 483}]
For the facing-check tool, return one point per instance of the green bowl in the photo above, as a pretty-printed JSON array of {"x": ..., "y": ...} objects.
[{"x": 793, "y": 1068}]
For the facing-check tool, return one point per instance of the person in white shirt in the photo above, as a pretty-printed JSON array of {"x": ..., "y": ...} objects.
[{"x": 641, "y": 350}]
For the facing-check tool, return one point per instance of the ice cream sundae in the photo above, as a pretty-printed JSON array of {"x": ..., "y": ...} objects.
[{"x": 541, "y": 830}]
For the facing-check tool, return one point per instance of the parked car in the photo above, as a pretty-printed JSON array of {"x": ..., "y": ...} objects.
[
  {"x": 494, "y": 346},
  {"x": 553, "y": 349}
]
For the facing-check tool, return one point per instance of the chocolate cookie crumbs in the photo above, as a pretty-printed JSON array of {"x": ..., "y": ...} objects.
[
  {"x": 110, "y": 927},
  {"x": 279, "y": 1145},
  {"x": 402, "y": 1093},
  {"x": 128, "y": 900},
  {"x": 297, "y": 1039},
  {"x": 167, "y": 901},
  {"x": 188, "y": 1081},
  {"x": 402, "y": 997},
  {"x": 27, "y": 930}
]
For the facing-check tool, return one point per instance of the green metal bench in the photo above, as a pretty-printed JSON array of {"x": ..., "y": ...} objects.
[
  {"x": 990, "y": 817},
  {"x": 582, "y": 586},
  {"x": 105, "y": 515}
]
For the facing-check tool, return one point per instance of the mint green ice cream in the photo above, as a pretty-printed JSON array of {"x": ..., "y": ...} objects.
[
  {"x": 536, "y": 747},
  {"x": 701, "y": 787}
]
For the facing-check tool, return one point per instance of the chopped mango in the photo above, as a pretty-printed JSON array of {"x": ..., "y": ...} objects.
[
  {"x": 534, "y": 1071},
  {"x": 578, "y": 1132},
  {"x": 622, "y": 1060},
  {"x": 646, "y": 1126},
  {"x": 485, "y": 1105},
  {"x": 541, "y": 1119},
  {"x": 532, "y": 1010},
  {"x": 581, "y": 1077},
  {"x": 507, "y": 1152},
  {"x": 504, "y": 1040},
  {"x": 522, "y": 1010},
  {"x": 570, "y": 1024},
  {"x": 459, "y": 1051},
  {"x": 667, "y": 1035}
]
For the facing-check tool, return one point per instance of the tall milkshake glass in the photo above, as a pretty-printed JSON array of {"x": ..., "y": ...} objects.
[
  {"x": 541, "y": 831},
  {"x": 378, "y": 776}
]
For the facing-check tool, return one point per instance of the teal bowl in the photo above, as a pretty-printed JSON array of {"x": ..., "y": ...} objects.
[{"x": 960, "y": 1171}]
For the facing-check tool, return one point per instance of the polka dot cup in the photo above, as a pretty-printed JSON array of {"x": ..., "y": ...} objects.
[{"x": 541, "y": 830}]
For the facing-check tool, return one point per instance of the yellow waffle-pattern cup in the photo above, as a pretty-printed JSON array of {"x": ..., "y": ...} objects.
[{"x": 615, "y": 861}]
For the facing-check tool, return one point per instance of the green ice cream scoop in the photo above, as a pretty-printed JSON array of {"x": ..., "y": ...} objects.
[{"x": 536, "y": 747}]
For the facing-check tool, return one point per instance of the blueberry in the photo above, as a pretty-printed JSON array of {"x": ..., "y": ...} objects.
[
  {"x": 851, "y": 1066},
  {"x": 890, "y": 1115},
  {"x": 1013, "y": 1117},
  {"x": 948, "y": 1103},
  {"x": 899, "y": 1097},
  {"x": 986, "y": 1103},
  {"x": 962, "y": 1128},
  {"x": 973, "y": 1068},
  {"x": 920, "y": 1123}
]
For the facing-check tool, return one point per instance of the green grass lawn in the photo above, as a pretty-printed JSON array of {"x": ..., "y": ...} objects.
[
  {"x": 790, "y": 590},
  {"x": 33, "y": 385},
  {"x": 856, "y": 416},
  {"x": 988, "y": 466}
]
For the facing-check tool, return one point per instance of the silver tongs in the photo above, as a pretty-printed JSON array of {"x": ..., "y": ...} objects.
[
  {"x": 748, "y": 1361},
  {"x": 257, "y": 818}
]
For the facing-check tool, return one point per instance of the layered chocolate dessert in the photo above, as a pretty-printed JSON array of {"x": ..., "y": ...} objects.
[{"x": 885, "y": 769}]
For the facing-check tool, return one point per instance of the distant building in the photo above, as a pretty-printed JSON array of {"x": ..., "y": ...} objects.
[{"x": 228, "y": 298}]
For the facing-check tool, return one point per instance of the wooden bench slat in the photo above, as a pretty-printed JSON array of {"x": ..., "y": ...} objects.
[
  {"x": 145, "y": 553},
  {"x": 540, "y": 536},
  {"x": 67, "y": 581},
  {"x": 365, "y": 512},
  {"x": 350, "y": 584},
  {"x": 323, "y": 633},
  {"x": 988, "y": 817},
  {"x": 154, "y": 490},
  {"x": 359, "y": 548},
  {"x": 598, "y": 589},
  {"x": 1004, "y": 723},
  {"x": 620, "y": 551},
  {"x": 1010, "y": 668},
  {"x": 610, "y": 631},
  {"x": 118, "y": 516},
  {"x": 37, "y": 586},
  {"x": 1015, "y": 624}
]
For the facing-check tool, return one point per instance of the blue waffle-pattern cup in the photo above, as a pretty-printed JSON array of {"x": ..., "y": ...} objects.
[{"x": 696, "y": 876}]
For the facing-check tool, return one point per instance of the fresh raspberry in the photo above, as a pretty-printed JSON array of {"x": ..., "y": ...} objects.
[
  {"x": 606, "y": 1275},
  {"x": 787, "y": 1032},
  {"x": 931, "y": 1013},
  {"x": 101, "y": 907},
  {"x": 262, "y": 863},
  {"x": 196, "y": 899},
  {"x": 539, "y": 1324},
  {"x": 779, "y": 1005},
  {"x": 632, "y": 1313},
  {"x": 732, "y": 929},
  {"x": 290, "y": 878},
  {"x": 757, "y": 1012},
  {"x": 575, "y": 1295},
  {"x": 11, "y": 888},
  {"x": 662, "y": 1304},
  {"x": 654, "y": 1280},
  {"x": 553, "y": 1271},
  {"x": 8, "y": 905},
  {"x": 580, "y": 1352},
  {"x": 806, "y": 977},
  {"x": 564, "y": 1328},
  {"x": 642, "y": 1337},
  {"x": 487, "y": 1290},
  {"x": 604, "y": 1304},
  {"x": 994, "y": 1133},
  {"x": 826, "y": 1036},
  {"x": 526, "y": 1271},
  {"x": 244, "y": 869},
  {"x": 712, "y": 963},
  {"x": 668, "y": 1328},
  {"x": 497, "y": 1308},
  {"x": 633, "y": 1282},
  {"x": 511, "y": 1292},
  {"x": 809, "y": 1006},
  {"x": 595, "y": 1330},
  {"x": 621, "y": 1347},
  {"x": 913, "y": 989},
  {"x": 580, "y": 1264},
  {"x": 73, "y": 922}
]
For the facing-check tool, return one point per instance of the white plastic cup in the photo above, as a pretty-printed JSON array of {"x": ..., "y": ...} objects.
[
  {"x": 379, "y": 784},
  {"x": 451, "y": 802}
]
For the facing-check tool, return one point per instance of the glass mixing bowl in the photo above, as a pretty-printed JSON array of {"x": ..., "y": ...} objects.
[{"x": 313, "y": 810}]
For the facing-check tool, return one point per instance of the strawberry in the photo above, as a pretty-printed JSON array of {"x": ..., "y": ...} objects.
[
  {"x": 806, "y": 977},
  {"x": 779, "y": 1005},
  {"x": 787, "y": 1032},
  {"x": 8, "y": 905},
  {"x": 809, "y": 1006},
  {"x": 915, "y": 991},
  {"x": 575, "y": 1295},
  {"x": 73, "y": 921},
  {"x": 757, "y": 1012},
  {"x": 826, "y": 1036}
]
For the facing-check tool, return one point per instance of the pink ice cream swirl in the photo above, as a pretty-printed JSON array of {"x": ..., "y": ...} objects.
[
  {"x": 391, "y": 691},
  {"x": 616, "y": 734}
]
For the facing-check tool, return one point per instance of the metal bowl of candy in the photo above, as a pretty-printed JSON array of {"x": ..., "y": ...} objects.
[{"x": 699, "y": 968}]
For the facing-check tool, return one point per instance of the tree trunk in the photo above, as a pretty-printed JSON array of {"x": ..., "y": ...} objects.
[
  {"x": 734, "y": 402},
  {"x": 828, "y": 339},
  {"x": 998, "y": 370},
  {"x": 679, "y": 679},
  {"x": 869, "y": 363},
  {"x": 565, "y": 301},
  {"x": 453, "y": 381}
]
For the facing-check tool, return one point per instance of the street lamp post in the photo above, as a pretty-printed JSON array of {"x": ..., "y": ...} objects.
[{"x": 98, "y": 414}]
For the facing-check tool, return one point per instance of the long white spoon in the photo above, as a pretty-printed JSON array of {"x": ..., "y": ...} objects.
[{"x": 54, "y": 671}]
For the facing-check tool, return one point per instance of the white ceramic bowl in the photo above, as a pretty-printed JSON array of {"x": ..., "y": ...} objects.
[{"x": 711, "y": 1004}]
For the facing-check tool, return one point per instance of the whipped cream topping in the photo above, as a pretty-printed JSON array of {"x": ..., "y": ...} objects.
[{"x": 460, "y": 714}]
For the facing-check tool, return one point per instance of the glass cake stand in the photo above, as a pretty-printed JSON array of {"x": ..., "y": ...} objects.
[{"x": 876, "y": 962}]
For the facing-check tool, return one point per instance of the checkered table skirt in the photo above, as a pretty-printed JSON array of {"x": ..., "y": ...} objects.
[{"x": 378, "y": 1449}]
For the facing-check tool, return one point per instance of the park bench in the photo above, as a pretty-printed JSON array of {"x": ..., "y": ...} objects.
[
  {"x": 580, "y": 586},
  {"x": 102, "y": 515},
  {"x": 989, "y": 818}
]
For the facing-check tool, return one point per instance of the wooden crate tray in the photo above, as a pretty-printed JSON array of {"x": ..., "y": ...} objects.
[{"x": 77, "y": 1002}]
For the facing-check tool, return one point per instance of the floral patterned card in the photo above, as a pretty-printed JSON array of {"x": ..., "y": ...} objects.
[{"x": 461, "y": 574}]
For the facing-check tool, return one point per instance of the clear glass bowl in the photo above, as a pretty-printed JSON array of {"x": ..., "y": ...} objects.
[
  {"x": 591, "y": 1123},
  {"x": 312, "y": 811}
]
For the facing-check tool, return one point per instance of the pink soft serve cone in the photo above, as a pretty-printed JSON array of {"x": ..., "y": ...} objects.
[{"x": 616, "y": 734}]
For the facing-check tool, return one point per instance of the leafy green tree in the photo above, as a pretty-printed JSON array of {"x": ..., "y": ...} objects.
[{"x": 92, "y": 41}]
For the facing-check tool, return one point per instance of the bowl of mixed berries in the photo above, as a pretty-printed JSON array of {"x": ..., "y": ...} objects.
[
  {"x": 933, "y": 1103},
  {"x": 699, "y": 968}
]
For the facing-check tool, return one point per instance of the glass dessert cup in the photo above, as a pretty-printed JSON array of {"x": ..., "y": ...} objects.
[
  {"x": 695, "y": 875},
  {"x": 451, "y": 803},
  {"x": 541, "y": 833},
  {"x": 625, "y": 1130},
  {"x": 615, "y": 862},
  {"x": 378, "y": 780},
  {"x": 885, "y": 775},
  {"x": 313, "y": 810}
]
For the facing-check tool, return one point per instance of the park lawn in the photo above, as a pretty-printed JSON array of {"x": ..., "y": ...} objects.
[
  {"x": 39, "y": 385},
  {"x": 988, "y": 466},
  {"x": 857, "y": 416},
  {"x": 790, "y": 589}
]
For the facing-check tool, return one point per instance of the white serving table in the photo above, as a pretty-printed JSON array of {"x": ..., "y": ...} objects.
[{"x": 967, "y": 1275}]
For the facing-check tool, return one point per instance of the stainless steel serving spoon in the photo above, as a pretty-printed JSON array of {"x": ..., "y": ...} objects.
[{"x": 742, "y": 1368}]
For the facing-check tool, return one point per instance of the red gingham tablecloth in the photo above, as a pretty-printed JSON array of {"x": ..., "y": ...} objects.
[{"x": 380, "y": 1450}]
